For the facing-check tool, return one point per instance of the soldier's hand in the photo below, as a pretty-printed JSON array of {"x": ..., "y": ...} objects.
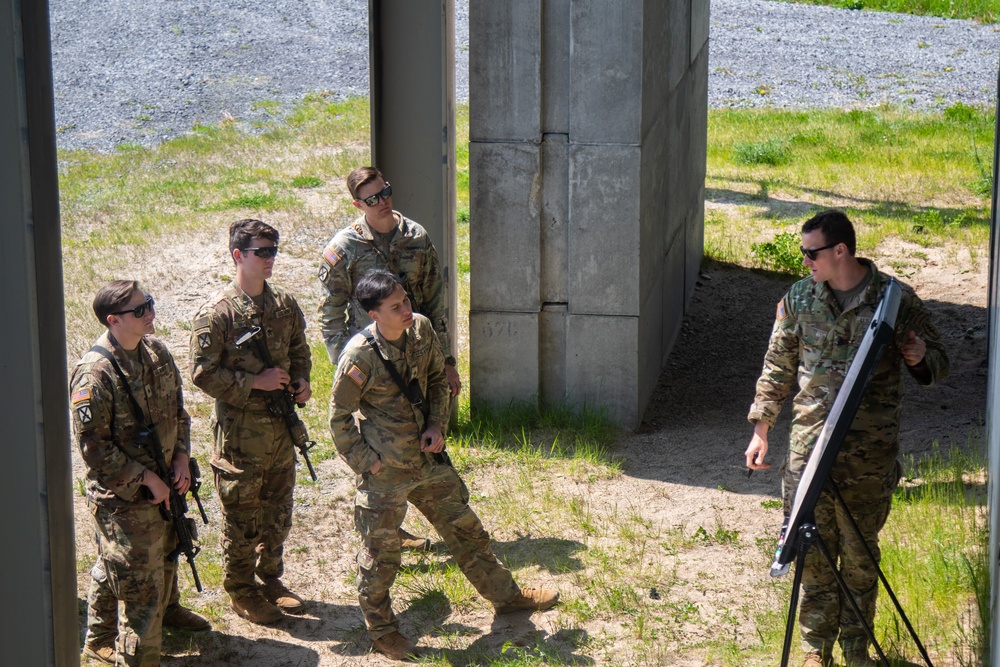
[
  {"x": 913, "y": 350},
  {"x": 454, "y": 381},
  {"x": 182, "y": 473},
  {"x": 375, "y": 468},
  {"x": 301, "y": 391},
  {"x": 432, "y": 440},
  {"x": 157, "y": 487},
  {"x": 757, "y": 449},
  {"x": 271, "y": 379}
]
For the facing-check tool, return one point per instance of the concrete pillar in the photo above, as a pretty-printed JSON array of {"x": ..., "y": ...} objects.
[
  {"x": 588, "y": 136},
  {"x": 37, "y": 565},
  {"x": 412, "y": 95}
]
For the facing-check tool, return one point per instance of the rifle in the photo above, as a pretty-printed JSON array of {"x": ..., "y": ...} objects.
[
  {"x": 185, "y": 528},
  {"x": 280, "y": 403}
]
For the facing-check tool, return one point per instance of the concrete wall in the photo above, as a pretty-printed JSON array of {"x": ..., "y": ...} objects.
[{"x": 588, "y": 136}]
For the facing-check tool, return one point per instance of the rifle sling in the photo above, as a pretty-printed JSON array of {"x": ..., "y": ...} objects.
[
  {"x": 396, "y": 377},
  {"x": 106, "y": 353}
]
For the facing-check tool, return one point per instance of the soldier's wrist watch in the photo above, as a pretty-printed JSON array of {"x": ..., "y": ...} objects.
[{"x": 450, "y": 361}]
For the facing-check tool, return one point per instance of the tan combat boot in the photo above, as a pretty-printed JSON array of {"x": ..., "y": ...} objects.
[
  {"x": 396, "y": 646},
  {"x": 817, "y": 660},
  {"x": 285, "y": 600},
  {"x": 535, "y": 599},
  {"x": 104, "y": 653},
  {"x": 256, "y": 609},
  {"x": 181, "y": 618},
  {"x": 409, "y": 541}
]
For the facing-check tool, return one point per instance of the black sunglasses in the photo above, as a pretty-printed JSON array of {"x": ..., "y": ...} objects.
[
  {"x": 139, "y": 310},
  {"x": 811, "y": 252},
  {"x": 263, "y": 253},
  {"x": 385, "y": 194}
]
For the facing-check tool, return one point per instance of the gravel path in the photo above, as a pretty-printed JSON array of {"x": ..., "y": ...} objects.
[{"x": 135, "y": 71}]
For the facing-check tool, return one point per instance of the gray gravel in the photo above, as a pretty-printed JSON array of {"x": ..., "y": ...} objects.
[{"x": 134, "y": 71}]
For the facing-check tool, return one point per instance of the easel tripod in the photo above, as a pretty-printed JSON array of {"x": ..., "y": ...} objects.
[{"x": 808, "y": 537}]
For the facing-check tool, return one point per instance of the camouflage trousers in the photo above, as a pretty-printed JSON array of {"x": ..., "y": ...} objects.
[
  {"x": 439, "y": 494},
  {"x": 254, "y": 468},
  {"x": 102, "y": 605},
  {"x": 132, "y": 542},
  {"x": 825, "y": 614}
]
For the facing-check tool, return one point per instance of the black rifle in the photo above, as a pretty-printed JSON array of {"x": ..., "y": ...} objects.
[
  {"x": 184, "y": 527},
  {"x": 280, "y": 402}
]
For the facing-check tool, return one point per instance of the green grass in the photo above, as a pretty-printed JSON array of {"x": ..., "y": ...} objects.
[
  {"x": 923, "y": 178},
  {"x": 984, "y": 11}
]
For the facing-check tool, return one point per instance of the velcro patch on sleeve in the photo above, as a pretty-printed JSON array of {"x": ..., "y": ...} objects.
[
  {"x": 80, "y": 395},
  {"x": 357, "y": 375},
  {"x": 330, "y": 254},
  {"x": 780, "y": 314}
]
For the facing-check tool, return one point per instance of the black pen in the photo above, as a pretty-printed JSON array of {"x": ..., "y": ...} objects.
[{"x": 750, "y": 471}]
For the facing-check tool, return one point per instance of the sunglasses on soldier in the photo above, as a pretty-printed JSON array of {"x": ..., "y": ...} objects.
[
  {"x": 384, "y": 194},
  {"x": 139, "y": 310},
  {"x": 263, "y": 253}
]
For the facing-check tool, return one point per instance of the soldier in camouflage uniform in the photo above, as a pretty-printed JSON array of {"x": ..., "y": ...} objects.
[
  {"x": 398, "y": 456},
  {"x": 819, "y": 326},
  {"x": 253, "y": 459},
  {"x": 381, "y": 238},
  {"x": 123, "y": 488}
]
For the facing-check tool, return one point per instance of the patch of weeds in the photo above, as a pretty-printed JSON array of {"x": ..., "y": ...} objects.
[
  {"x": 771, "y": 504},
  {"x": 773, "y": 152},
  {"x": 782, "y": 254},
  {"x": 306, "y": 182}
]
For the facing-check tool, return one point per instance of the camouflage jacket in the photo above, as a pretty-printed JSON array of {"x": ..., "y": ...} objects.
[
  {"x": 223, "y": 370},
  {"x": 389, "y": 427},
  {"x": 353, "y": 252},
  {"x": 812, "y": 345},
  {"x": 105, "y": 422}
]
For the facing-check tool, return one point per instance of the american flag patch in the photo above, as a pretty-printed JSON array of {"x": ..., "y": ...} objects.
[
  {"x": 331, "y": 255},
  {"x": 80, "y": 396},
  {"x": 780, "y": 315},
  {"x": 357, "y": 375}
]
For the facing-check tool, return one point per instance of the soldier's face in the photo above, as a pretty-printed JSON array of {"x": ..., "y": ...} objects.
[
  {"x": 395, "y": 315},
  {"x": 136, "y": 326},
  {"x": 822, "y": 266},
  {"x": 382, "y": 208},
  {"x": 254, "y": 266}
]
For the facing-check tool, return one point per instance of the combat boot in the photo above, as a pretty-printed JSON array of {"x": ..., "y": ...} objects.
[
  {"x": 181, "y": 618},
  {"x": 858, "y": 659},
  {"x": 256, "y": 609},
  {"x": 285, "y": 600},
  {"x": 395, "y": 646},
  {"x": 535, "y": 599},
  {"x": 409, "y": 541},
  {"x": 817, "y": 660},
  {"x": 105, "y": 653}
]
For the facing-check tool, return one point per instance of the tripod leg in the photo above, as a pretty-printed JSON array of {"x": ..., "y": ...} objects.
[
  {"x": 793, "y": 602},
  {"x": 885, "y": 583}
]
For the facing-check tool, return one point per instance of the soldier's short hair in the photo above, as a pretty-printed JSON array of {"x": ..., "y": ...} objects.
[
  {"x": 113, "y": 297},
  {"x": 836, "y": 228},
  {"x": 375, "y": 287},
  {"x": 242, "y": 232},
  {"x": 362, "y": 176}
]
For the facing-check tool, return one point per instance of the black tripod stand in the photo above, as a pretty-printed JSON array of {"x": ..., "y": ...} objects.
[{"x": 808, "y": 537}]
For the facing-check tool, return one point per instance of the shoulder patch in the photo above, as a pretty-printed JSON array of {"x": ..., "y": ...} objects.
[
  {"x": 204, "y": 340},
  {"x": 357, "y": 375},
  {"x": 80, "y": 395},
  {"x": 330, "y": 254},
  {"x": 780, "y": 315}
]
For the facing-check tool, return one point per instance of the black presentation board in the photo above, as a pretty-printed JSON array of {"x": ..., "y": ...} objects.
[{"x": 859, "y": 374}]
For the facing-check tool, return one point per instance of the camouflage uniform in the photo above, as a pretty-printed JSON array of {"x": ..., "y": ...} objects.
[
  {"x": 390, "y": 431},
  {"x": 132, "y": 538},
  {"x": 812, "y": 345},
  {"x": 254, "y": 458},
  {"x": 351, "y": 253}
]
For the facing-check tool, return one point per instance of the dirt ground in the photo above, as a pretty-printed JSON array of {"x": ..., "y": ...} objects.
[{"x": 684, "y": 467}]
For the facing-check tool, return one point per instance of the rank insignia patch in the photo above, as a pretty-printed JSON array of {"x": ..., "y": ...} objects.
[
  {"x": 80, "y": 396},
  {"x": 331, "y": 255},
  {"x": 84, "y": 414},
  {"x": 357, "y": 375},
  {"x": 205, "y": 340}
]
